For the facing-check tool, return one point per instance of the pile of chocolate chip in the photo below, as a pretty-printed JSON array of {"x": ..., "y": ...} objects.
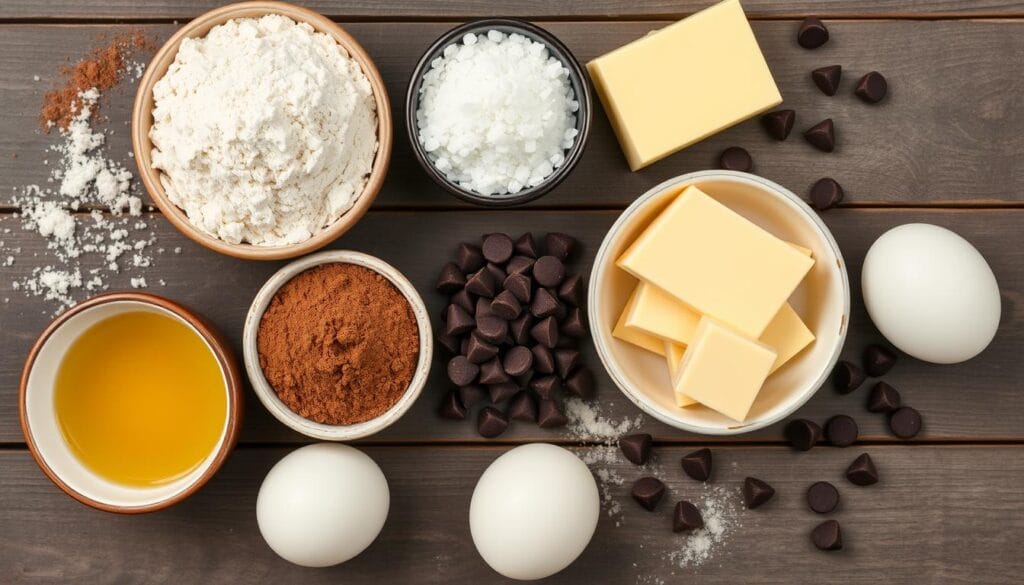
[
  {"x": 872, "y": 87},
  {"x": 513, "y": 326}
]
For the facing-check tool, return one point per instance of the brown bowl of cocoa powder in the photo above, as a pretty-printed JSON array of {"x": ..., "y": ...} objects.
[{"x": 337, "y": 345}]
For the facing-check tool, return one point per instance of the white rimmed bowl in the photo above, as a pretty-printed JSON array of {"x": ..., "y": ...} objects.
[
  {"x": 822, "y": 300},
  {"x": 265, "y": 392}
]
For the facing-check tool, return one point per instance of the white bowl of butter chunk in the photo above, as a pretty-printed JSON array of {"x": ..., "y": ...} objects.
[{"x": 821, "y": 300}]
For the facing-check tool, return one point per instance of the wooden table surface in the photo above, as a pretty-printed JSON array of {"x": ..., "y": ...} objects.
[{"x": 945, "y": 148}]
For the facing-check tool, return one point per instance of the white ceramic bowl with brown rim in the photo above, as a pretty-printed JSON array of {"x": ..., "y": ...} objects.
[
  {"x": 265, "y": 392},
  {"x": 142, "y": 121},
  {"x": 822, "y": 300},
  {"x": 41, "y": 427}
]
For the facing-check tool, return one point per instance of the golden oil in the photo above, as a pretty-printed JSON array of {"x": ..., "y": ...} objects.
[{"x": 140, "y": 399}]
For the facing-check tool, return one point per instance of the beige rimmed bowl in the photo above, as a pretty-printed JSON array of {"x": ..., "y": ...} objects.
[
  {"x": 822, "y": 300},
  {"x": 39, "y": 419},
  {"x": 265, "y": 392},
  {"x": 142, "y": 121}
]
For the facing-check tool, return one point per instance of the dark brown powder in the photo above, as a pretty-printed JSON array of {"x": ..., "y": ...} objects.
[{"x": 339, "y": 344}]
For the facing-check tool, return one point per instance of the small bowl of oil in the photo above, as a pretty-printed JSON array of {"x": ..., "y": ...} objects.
[{"x": 130, "y": 402}]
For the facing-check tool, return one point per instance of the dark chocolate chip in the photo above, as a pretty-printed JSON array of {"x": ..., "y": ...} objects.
[
  {"x": 520, "y": 329},
  {"x": 802, "y": 434},
  {"x": 566, "y": 342},
  {"x": 561, "y": 311},
  {"x": 479, "y": 351},
  {"x": 492, "y": 329},
  {"x": 524, "y": 379},
  {"x": 827, "y": 78},
  {"x": 450, "y": 342},
  {"x": 506, "y": 305},
  {"x": 497, "y": 248},
  {"x": 756, "y": 492},
  {"x": 566, "y": 360},
  {"x": 862, "y": 471},
  {"x": 648, "y": 491},
  {"x": 518, "y": 361},
  {"x": 492, "y": 372},
  {"x": 878, "y": 360},
  {"x": 544, "y": 304},
  {"x": 469, "y": 258},
  {"x": 872, "y": 87},
  {"x": 519, "y": 286},
  {"x": 826, "y": 193},
  {"x": 464, "y": 346},
  {"x": 847, "y": 377},
  {"x": 883, "y": 398},
  {"x": 502, "y": 391},
  {"x": 452, "y": 407},
  {"x": 543, "y": 359},
  {"x": 572, "y": 290},
  {"x": 498, "y": 274},
  {"x": 573, "y": 324},
  {"x": 827, "y": 536},
  {"x": 735, "y": 158},
  {"x": 822, "y": 135},
  {"x": 841, "y": 430},
  {"x": 482, "y": 308},
  {"x": 905, "y": 422},
  {"x": 451, "y": 279},
  {"x": 520, "y": 265},
  {"x": 461, "y": 371},
  {"x": 550, "y": 416},
  {"x": 465, "y": 300},
  {"x": 471, "y": 395},
  {"x": 779, "y": 124},
  {"x": 546, "y": 386},
  {"x": 636, "y": 448},
  {"x": 482, "y": 283},
  {"x": 698, "y": 464},
  {"x": 490, "y": 422},
  {"x": 686, "y": 517},
  {"x": 822, "y": 497},
  {"x": 548, "y": 271},
  {"x": 526, "y": 245},
  {"x": 559, "y": 245},
  {"x": 546, "y": 332},
  {"x": 523, "y": 407},
  {"x": 457, "y": 320},
  {"x": 812, "y": 33},
  {"x": 581, "y": 382}
]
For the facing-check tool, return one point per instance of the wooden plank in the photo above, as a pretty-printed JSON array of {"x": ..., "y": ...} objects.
[
  {"x": 925, "y": 144},
  {"x": 568, "y": 9},
  {"x": 979, "y": 400},
  {"x": 939, "y": 515}
]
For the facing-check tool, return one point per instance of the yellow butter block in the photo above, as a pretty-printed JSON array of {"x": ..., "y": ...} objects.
[
  {"x": 674, "y": 355},
  {"x": 683, "y": 83},
  {"x": 787, "y": 335},
  {"x": 657, "y": 313},
  {"x": 717, "y": 262},
  {"x": 723, "y": 370},
  {"x": 637, "y": 338}
]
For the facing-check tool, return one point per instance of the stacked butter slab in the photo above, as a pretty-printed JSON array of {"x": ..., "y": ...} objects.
[{"x": 712, "y": 299}]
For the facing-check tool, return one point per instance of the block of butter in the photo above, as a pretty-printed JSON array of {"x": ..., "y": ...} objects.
[
  {"x": 683, "y": 83},
  {"x": 717, "y": 262},
  {"x": 723, "y": 370},
  {"x": 634, "y": 336},
  {"x": 674, "y": 355}
]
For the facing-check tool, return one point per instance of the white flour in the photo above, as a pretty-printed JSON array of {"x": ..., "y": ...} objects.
[{"x": 265, "y": 131}]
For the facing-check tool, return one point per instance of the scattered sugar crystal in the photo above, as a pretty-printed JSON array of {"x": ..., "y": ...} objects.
[
  {"x": 719, "y": 507},
  {"x": 587, "y": 423},
  {"x": 139, "y": 282}
]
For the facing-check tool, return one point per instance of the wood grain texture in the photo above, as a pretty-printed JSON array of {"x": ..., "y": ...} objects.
[
  {"x": 978, "y": 400},
  {"x": 939, "y": 515},
  {"x": 950, "y": 131}
]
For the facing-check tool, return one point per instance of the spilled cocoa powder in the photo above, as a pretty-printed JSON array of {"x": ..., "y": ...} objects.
[{"x": 339, "y": 344}]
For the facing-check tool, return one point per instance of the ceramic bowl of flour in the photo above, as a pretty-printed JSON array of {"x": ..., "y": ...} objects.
[{"x": 210, "y": 168}]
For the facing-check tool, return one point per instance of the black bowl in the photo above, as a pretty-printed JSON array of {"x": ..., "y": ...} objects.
[{"x": 577, "y": 80}]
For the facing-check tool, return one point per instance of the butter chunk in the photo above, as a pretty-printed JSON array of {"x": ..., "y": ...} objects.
[
  {"x": 674, "y": 355},
  {"x": 657, "y": 313},
  {"x": 787, "y": 335},
  {"x": 717, "y": 262},
  {"x": 723, "y": 370},
  {"x": 634, "y": 336},
  {"x": 683, "y": 83}
]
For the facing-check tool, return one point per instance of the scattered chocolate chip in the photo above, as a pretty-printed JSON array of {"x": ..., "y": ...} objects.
[
  {"x": 464, "y": 300},
  {"x": 862, "y": 471},
  {"x": 826, "y": 193},
  {"x": 492, "y": 329},
  {"x": 636, "y": 448},
  {"x": 756, "y": 492},
  {"x": 841, "y": 430},
  {"x": 479, "y": 351},
  {"x": 847, "y": 377},
  {"x": 457, "y": 321},
  {"x": 520, "y": 329},
  {"x": 519, "y": 286},
  {"x": 452, "y": 407},
  {"x": 482, "y": 283},
  {"x": 469, "y": 258},
  {"x": 471, "y": 395},
  {"x": 581, "y": 382},
  {"x": 490, "y": 422},
  {"x": 498, "y": 274},
  {"x": 548, "y": 271},
  {"x": 698, "y": 464},
  {"x": 802, "y": 434},
  {"x": 822, "y": 497},
  {"x": 827, "y": 536},
  {"x": 812, "y": 33},
  {"x": 872, "y": 87},
  {"x": 905, "y": 422},
  {"x": 735, "y": 158},
  {"x": 523, "y": 407},
  {"x": 779, "y": 123},
  {"x": 566, "y": 360},
  {"x": 451, "y": 279},
  {"x": 883, "y": 398},
  {"x": 559, "y": 245},
  {"x": 546, "y": 332},
  {"x": 520, "y": 265},
  {"x": 526, "y": 245},
  {"x": 482, "y": 308},
  {"x": 686, "y": 517},
  {"x": 544, "y": 304},
  {"x": 518, "y": 361},
  {"x": 561, "y": 311},
  {"x": 498, "y": 248},
  {"x": 546, "y": 386},
  {"x": 461, "y": 371},
  {"x": 550, "y": 416},
  {"x": 878, "y": 360},
  {"x": 506, "y": 305},
  {"x": 822, "y": 135},
  {"x": 492, "y": 372},
  {"x": 648, "y": 491},
  {"x": 543, "y": 359},
  {"x": 449, "y": 342},
  {"x": 827, "y": 78},
  {"x": 572, "y": 291},
  {"x": 573, "y": 325},
  {"x": 502, "y": 391}
]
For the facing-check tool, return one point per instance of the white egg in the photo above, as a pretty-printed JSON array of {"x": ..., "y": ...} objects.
[
  {"x": 931, "y": 293},
  {"x": 533, "y": 511},
  {"x": 322, "y": 505}
]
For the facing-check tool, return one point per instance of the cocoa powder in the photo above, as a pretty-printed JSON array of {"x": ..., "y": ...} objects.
[{"x": 339, "y": 344}]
